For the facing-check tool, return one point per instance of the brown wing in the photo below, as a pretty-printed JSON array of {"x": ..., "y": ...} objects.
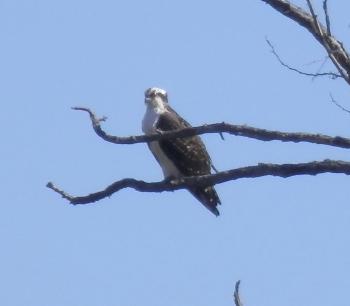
[{"x": 190, "y": 156}]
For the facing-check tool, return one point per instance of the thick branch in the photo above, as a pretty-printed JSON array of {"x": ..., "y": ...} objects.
[
  {"x": 281, "y": 170},
  {"x": 238, "y": 130},
  {"x": 334, "y": 48}
]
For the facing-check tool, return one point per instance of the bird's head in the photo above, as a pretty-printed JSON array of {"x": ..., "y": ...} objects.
[{"x": 156, "y": 97}]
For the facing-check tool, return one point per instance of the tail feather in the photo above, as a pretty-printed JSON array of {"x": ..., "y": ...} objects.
[{"x": 208, "y": 197}]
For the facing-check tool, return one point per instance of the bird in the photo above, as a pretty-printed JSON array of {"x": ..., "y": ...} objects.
[{"x": 178, "y": 157}]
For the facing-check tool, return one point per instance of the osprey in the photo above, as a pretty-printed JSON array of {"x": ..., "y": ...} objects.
[{"x": 178, "y": 157}]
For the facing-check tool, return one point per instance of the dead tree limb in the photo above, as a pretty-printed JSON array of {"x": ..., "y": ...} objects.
[
  {"x": 236, "y": 296},
  {"x": 281, "y": 170},
  {"x": 328, "y": 22},
  {"x": 237, "y": 130},
  {"x": 335, "y": 49}
]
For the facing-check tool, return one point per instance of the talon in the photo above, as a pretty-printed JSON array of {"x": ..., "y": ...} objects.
[
  {"x": 160, "y": 132},
  {"x": 170, "y": 179}
]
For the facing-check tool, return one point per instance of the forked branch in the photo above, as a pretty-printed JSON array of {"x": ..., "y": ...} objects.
[
  {"x": 334, "y": 48},
  {"x": 309, "y": 74},
  {"x": 237, "y": 130}
]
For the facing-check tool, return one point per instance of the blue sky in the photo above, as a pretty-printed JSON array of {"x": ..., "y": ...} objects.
[{"x": 286, "y": 239}]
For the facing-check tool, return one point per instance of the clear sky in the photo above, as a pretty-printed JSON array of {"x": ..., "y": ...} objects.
[{"x": 286, "y": 239}]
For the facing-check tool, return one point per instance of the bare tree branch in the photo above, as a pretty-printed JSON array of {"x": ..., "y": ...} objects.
[
  {"x": 324, "y": 36},
  {"x": 339, "y": 105},
  {"x": 318, "y": 74},
  {"x": 328, "y": 23},
  {"x": 281, "y": 170},
  {"x": 236, "y": 296},
  {"x": 314, "y": 17},
  {"x": 237, "y": 130},
  {"x": 335, "y": 49}
]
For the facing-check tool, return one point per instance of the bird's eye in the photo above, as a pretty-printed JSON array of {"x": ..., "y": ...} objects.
[{"x": 163, "y": 95}]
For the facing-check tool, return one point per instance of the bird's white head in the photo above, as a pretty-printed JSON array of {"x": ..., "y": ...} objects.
[{"x": 156, "y": 98}]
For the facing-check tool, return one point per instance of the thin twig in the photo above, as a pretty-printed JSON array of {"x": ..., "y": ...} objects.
[
  {"x": 222, "y": 136},
  {"x": 281, "y": 170},
  {"x": 314, "y": 16},
  {"x": 321, "y": 67},
  {"x": 335, "y": 49},
  {"x": 237, "y": 130},
  {"x": 314, "y": 75},
  {"x": 328, "y": 23},
  {"x": 338, "y": 105},
  {"x": 215, "y": 169},
  {"x": 325, "y": 43}
]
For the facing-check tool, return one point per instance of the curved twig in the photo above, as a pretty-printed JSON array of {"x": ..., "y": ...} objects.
[
  {"x": 237, "y": 130},
  {"x": 339, "y": 105},
  {"x": 335, "y": 49},
  {"x": 314, "y": 75},
  {"x": 281, "y": 170}
]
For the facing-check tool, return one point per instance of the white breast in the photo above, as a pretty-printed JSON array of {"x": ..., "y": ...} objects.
[
  {"x": 149, "y": 127},
  {"x": 149, "y": 121}
]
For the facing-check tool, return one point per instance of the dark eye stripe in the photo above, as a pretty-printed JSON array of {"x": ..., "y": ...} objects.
[
  {"x": 156, "y": 93},
  {"x": 161, "y": 94}
]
